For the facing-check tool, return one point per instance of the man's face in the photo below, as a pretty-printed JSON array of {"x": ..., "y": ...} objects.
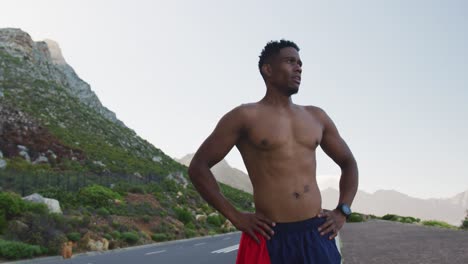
[{"x": 286, "y": 71}]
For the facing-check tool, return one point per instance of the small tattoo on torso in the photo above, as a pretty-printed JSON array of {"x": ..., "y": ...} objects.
[
  {"x": 296, "y": 195},
  {"x": 306, "y": 188}
]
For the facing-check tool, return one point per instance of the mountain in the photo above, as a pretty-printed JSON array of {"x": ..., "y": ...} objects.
[
  {"x": 226, "y": 174},
  {"x": 381, "y": 202},
  {"x": 460, "y": 199},
  {"x": 49, "y": 115}
]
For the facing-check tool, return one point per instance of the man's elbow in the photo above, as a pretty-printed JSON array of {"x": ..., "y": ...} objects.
[{"x": 194, "y": 169}]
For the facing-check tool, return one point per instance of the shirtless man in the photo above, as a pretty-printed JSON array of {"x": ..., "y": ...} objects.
[{"x": 277, "y": 140}]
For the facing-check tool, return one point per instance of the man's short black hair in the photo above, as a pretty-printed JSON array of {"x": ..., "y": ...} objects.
[{"x": 272, "y": 49}]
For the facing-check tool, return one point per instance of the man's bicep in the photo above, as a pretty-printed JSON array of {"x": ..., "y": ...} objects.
[
  {"x": 332, "y": 143},
  {"x": 223, "y": 138}
]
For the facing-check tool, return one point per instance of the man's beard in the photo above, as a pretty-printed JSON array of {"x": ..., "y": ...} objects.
[{"x": 292, "y": 90}]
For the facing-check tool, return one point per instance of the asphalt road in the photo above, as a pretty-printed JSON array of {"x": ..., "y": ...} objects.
[{"x": 206, "y": 250}]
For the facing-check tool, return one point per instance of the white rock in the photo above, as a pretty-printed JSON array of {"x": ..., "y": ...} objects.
[
  {"x": 201, "y": 217},
  {"x": 99, "y": 163},
  {"x": 25, "y": 155},
  {"x": 213, "y": 214},
  {"x": 35, "y": 197},
  {"x": 41, "y": 159},
  {"x": 179, "y": 178},
  {"x": 52, "y": 204},
  {"x": 52, "y": 154},
  {"x": 23, "y": 148},
  {"x": 3, "y": 164},
  {"x": 157, "y": 159}
]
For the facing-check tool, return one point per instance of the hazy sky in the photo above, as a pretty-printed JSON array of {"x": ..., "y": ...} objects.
[{"x": 393, "y": 75}]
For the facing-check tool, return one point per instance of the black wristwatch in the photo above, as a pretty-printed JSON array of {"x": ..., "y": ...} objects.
[{"x": 344, "y": 209}]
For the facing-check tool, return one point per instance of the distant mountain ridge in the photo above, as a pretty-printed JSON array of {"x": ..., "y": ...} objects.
[
  {"x": 226, "y": 174},
  {"x": 381, "y": 202}
]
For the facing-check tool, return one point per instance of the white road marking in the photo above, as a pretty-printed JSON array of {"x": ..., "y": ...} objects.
[
  {"x": 155, "y": 252},
  {"x": 199, "y": 244},
  {"x": 227, "y": 249}
]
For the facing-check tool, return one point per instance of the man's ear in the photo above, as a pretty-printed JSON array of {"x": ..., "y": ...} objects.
[{"x": 267, "y": 70}]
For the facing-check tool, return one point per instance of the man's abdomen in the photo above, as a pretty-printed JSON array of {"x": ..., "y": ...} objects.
[{"x": 288, "y": 200}]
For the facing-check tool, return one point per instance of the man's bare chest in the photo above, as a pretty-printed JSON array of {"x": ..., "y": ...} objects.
[{"x": 270, "y": 133}]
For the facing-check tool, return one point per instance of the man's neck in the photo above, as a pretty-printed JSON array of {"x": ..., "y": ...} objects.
[{"x": 277, "y": 99}]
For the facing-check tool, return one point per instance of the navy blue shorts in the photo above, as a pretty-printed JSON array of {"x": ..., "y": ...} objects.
[{"x": 293, "y": 243}]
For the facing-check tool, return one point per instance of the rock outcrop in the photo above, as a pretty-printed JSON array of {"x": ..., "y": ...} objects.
[{"x": 45, "y": 62}]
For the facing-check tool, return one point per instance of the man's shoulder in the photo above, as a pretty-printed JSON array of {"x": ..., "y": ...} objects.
[
  {"x": 246, "y": 109},
  {"x": 315, "y": 110},
  {"x": 241, "y": 113}
]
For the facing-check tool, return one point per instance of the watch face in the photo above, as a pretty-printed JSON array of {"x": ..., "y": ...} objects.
[{"x": 346, "y": 209}]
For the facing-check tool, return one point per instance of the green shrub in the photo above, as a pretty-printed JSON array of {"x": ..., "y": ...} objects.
[
  {"x": 190, "y": 232},
  {"x": 409, "y": 219},
  {"x": 3, "y": 221},
  {"x": 390, "y": 217},
  {"x": 103, "y": 212},
  {"x": 146, "y": 218},
  {"x": 85, "y": 221},
  {"x": 402, "y": 219},
  {"x": 159, "y": 237},
  {"x": 74, "y": 236},
  {"x": 355, "y": 217},
  {"x": 115, "y": 234},
  {"x": 11, "y": 204},
  {"x": 67, "y": 199},
  {"x": 97, "y": 196},
  {"x": 170, "y": 185},
  {"x": 464, "y": 224},
  {"x": 214, "y": 220},
  {"x": 130, "y": 237},
  {"x": 183, "y": 215},
  {"x": 37, "y": 208},
  {"x": 190, "y": 226},
  {"x": 107, "y": 236},
  {"x": 437, "y": 223},
  {"x": 17, "y": 250}
]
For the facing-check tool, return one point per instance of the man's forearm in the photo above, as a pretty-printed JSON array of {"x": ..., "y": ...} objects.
[
  {"x": 205, "y": 183},
  {"x": 348, "y": 182}
]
